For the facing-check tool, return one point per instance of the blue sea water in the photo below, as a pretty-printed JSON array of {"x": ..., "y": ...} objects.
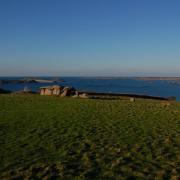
[{"x": 111, "y": 85}]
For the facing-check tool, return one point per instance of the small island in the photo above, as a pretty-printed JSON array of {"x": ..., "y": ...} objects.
[{"x": 29, "y": 80}]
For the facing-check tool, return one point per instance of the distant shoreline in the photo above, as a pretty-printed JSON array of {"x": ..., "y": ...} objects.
[
  {"x": 29, "y": 80},
  {"x": 159, "y": 78},
  {"x": 55, "y": 79},
  {"x": 170, "y": 79}
]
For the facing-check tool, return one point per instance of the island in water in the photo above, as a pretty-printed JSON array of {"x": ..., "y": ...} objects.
[{"x": 29, "y": 80}]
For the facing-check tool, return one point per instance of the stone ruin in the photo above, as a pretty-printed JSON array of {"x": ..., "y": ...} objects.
[{"x": 62, "y": 91}]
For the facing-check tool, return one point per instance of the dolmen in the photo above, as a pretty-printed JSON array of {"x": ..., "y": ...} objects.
[{"x": 62, "y": 91}]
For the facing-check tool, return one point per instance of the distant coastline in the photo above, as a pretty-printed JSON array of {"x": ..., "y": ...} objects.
[
  {"x": 132, "y": 77},
  {"x": 158, "y": 78},
  {"x": 29, "y": 80},
  {"x": 55, "y": 79}
]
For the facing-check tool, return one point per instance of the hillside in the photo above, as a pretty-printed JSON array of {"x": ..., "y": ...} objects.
[{"x": 63, "y": 138}]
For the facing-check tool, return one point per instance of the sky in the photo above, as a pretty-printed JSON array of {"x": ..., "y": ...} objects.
[{"x": 89, "y": 38}]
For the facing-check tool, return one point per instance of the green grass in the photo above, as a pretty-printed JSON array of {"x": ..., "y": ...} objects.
[{"x": 66, "y": 138}]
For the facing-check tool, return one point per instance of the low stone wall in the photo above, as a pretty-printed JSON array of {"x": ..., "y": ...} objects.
[{"x": 133, "y": 96}]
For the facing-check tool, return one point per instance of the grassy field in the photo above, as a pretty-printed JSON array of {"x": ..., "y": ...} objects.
[{"x": 66, "y": 138}]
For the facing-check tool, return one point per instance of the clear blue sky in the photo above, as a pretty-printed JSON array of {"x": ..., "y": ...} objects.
[{"x": 90, "y": 37}]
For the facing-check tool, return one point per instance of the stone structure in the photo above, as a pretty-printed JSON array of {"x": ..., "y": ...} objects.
[
  {"x": 51, "y": 90},
  {"x": 57, "y": 91},
  {"x": 65, "y": 92},
  {"x": 62, "y": 91}
]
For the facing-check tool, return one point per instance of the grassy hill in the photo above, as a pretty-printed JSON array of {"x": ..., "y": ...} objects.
[{"x": 66, "y": 138}]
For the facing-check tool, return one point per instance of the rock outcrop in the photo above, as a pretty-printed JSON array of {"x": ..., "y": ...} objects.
[
  {"x": 61, "y": 91},
  {"x": 66, "y": 92}
]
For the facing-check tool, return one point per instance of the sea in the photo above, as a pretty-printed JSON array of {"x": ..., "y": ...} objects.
[{"x": 161, "y": 88}]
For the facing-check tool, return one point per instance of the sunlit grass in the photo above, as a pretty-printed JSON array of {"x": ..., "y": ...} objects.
[{"x": 62, "y": 138}]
